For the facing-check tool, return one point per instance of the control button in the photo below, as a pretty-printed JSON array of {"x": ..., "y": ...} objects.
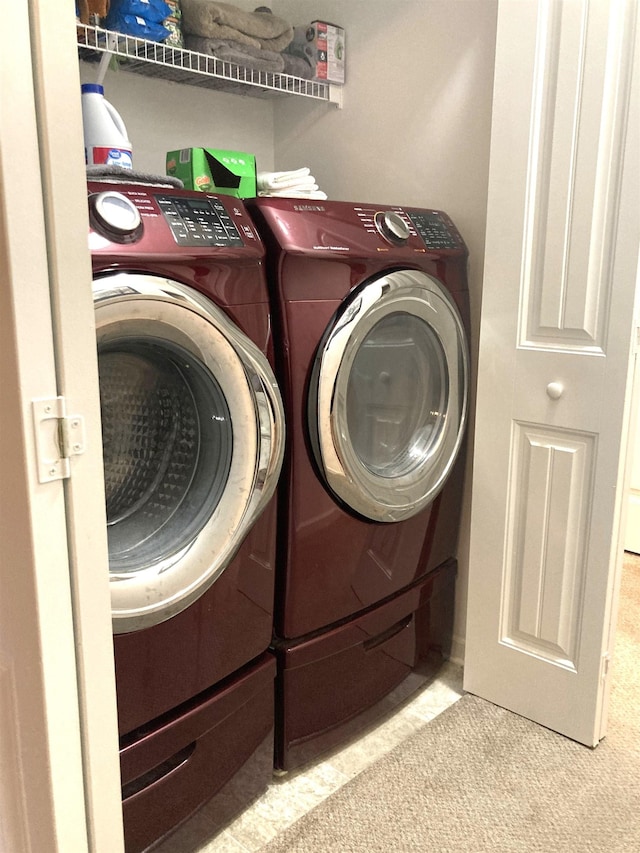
[
  {"x": 392, "y": 227},
  {"x": 115, "y": 216}
]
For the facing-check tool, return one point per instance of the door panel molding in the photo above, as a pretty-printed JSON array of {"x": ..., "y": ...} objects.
[
  {"x": 573, "y": 186},
  {"x": 551, "y": 477}
]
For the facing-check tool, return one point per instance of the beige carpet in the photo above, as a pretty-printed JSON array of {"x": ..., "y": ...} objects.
[{"x": 479, "y": 778}]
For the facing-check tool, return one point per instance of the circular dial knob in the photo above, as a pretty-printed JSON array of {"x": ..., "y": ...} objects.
[
  {"x": 392, "y": 227},
  {"x": 115, "y": 216}
]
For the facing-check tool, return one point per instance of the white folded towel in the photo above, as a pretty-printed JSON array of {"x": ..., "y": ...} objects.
[
  {"x": 292, "y": 193},
  {"x": 275, "y": 180},
  {"x": 297, "y": 183}
]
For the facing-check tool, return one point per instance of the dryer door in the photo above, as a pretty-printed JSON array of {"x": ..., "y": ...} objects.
[
  {"x": 193, "y": 437},
  {"x": 388, "y": 396}
]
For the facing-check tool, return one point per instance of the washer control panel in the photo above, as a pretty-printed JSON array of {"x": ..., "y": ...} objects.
[
  {"x": 163, "y": 220},
  {"x": 198, "y": 222},
  {"x": 433, "y": 230}
]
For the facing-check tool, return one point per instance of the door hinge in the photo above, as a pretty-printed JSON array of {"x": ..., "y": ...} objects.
[
  {"x": 58, "y": 437},
  {"x": 606, "y": 663}
]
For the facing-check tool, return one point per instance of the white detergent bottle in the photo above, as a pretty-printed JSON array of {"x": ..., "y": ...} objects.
[{"x": 105, "y": 136}]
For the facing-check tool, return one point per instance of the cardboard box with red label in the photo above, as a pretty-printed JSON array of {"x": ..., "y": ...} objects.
[{"x": 328, "y": 41}]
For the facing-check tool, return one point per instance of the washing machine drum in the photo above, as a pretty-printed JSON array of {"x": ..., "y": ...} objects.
[
  {"x": 193, "y": 437},
  {"x": 388, "y": 396}
]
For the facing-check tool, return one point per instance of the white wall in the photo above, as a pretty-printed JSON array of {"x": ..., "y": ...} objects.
[
  {"x": 162, "y": 116},
  {"x": 414, "y": 129},
  {"x": 417, "y": 101}
]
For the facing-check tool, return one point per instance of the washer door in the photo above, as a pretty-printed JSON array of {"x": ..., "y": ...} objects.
[
  {"x": 388, "y": 396},
  {"x": 193, "y": 438}
]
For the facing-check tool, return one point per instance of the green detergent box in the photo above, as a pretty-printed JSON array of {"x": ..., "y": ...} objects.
[{"x": 212, "y": 170}]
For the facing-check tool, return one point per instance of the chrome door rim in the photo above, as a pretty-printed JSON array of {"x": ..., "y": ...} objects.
[
  {"x": 422, "y": 296},
  {"x": 141, "y": 304}
]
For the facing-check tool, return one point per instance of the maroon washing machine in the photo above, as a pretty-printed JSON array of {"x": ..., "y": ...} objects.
[
  {"x": 371, "y": 314},
  {"x": 193, "y": 437}
]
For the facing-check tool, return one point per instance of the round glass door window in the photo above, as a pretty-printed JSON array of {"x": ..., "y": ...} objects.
[
  {"x": 167, "y": 447},
  {"x": 388, "y": 395},
  {"x": 193, "y": 441},
  {"x": 397, "y": 396}
]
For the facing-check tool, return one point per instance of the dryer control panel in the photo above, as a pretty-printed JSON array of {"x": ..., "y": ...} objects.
[
  {"x": 398, "y": 225},
  {"x": 361, "y": 240},
  {"x": 395, "y": 233},
  {"x": 433, "y": 230}
]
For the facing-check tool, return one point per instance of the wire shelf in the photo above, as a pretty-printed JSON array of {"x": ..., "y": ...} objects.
[{"x": 178, "y": 65}]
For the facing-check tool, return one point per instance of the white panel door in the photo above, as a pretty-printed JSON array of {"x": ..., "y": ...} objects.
[{"x": 555, "y": 343}]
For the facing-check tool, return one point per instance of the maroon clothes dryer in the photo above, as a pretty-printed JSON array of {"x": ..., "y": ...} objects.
[
  {"x": 371, "y": 312},
  {"x": 193, "y": 437}
]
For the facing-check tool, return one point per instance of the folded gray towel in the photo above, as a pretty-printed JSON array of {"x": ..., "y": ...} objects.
[
  {"x": 241, "y": 54},
  {"x": 215, "y": 20},
  {"x": 223, "y": 33},
  {"x": 297, "y": 66}
]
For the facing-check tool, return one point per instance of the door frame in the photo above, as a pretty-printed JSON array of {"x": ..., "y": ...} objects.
[{"x": 58, "y": 726}]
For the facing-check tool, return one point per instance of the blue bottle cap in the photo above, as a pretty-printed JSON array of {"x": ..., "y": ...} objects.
[{"x": 92, "y": 87}]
